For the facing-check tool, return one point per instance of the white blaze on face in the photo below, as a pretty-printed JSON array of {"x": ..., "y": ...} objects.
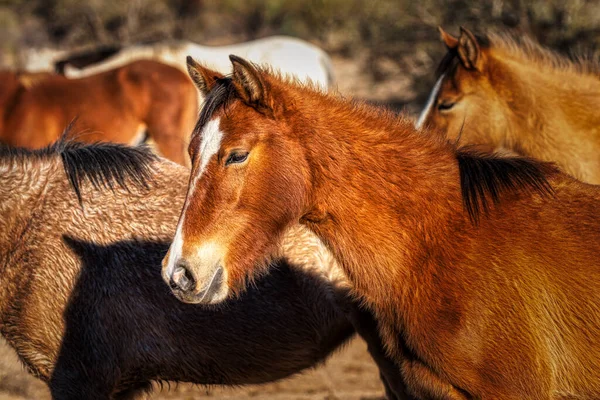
[
  {"x": 430, "y": 102},
  {"x": 210, "y": 143},
  {"x": 209, "y": 146}
]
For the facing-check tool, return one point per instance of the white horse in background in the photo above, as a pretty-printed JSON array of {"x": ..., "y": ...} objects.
[
  {"x": 289, "y": 55},
  {"x": 35, "y": 59}
]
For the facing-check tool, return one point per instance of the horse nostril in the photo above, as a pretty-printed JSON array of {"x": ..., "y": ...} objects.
[
  {"x": 182, "y": 278},
  {"x": 172, "y": 284},
  {"x": 188, "y": 278}
]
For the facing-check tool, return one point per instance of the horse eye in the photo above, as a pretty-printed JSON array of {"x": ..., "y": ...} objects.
[
  {"x": 447, "y": 105},
  {"x": 237, "y": 157}
]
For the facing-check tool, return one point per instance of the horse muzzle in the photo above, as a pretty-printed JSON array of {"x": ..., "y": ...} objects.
[{"x": 189, "y": 286}]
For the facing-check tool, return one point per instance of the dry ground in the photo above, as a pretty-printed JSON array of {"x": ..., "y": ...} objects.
[{"x": 348, "y": 375}]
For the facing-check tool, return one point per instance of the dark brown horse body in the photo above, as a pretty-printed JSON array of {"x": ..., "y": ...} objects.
[
  {"x": 483, "y": 272},
  {"x": 116, "y": 106},
  {"x": 82, "y": 300}
]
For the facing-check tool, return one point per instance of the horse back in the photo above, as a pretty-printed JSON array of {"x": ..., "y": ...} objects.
[
  {"x": 109, "y": 106},
  {"x": 161, "y": 84},
  {"x": 534, "y": 263},
  {"x": 515, "y": 295}
]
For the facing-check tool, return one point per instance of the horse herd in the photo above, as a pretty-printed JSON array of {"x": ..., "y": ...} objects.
[{"x": 453, "y": 244}]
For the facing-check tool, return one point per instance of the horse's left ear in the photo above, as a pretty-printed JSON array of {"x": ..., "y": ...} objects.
[
  {"x": 204, "y": 78},
  {"x": 250, "y": 83},
  {"x": 469, "y": 50},
  {"x": 450, "y": 41}
]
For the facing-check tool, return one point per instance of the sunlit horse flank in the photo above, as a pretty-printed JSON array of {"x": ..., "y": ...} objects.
[
  {"x": 482, "y": 270},
  {"x": 119, "y": 106},
  {"x": 508, "y": 92}
]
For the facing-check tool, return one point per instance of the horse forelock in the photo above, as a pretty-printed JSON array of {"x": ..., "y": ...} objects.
[
  {"x": 219, "y": 96},
  {"x": 448, "y": 62}
]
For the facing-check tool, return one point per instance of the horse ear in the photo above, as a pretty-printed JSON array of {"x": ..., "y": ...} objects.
[
  {"x": 469, "y": 51},
  {"x": 249, "y": 82},
  {"x": 204, "y": 78},
  {"x": 450, "y": 41}
]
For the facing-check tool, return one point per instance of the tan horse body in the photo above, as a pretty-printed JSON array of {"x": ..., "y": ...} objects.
[
  {"x": 483, "y": 272},
  {"x": 81, "y": 297},
  {"x": 515, "y": 95},
  {"x": 116, "y": 106}
]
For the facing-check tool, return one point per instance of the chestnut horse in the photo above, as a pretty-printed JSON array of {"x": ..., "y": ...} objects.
[
  {"x": 483, "y": 271},
  {"x": 511, "y": 93},
  {"x": 81, "y": 296},
  {"x": 117, "y": 106}
]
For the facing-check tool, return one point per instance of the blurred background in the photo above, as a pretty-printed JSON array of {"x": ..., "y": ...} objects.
[{"x": 383, "y": 50}]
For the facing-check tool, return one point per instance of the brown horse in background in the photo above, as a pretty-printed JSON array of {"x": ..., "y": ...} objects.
[
  {"x": 81, "y": 295},
  {"x": 116, "y": 106},
  {"x": 507, "y": 92},
  {"x": 483, "y": 271}
]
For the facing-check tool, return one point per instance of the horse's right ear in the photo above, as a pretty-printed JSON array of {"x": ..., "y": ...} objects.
[
  {"x": 204, "y": 78},
  {"x": 450, "y": 41},
  {"x": 469, "y": 51},
  {"x": 251, "y": 84}
]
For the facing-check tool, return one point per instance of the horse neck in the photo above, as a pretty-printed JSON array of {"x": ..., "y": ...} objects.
[
  {"x": 544, "y": 102},
  {"x": 23, "y": 185},
  {"x": 386, "y": 194}
]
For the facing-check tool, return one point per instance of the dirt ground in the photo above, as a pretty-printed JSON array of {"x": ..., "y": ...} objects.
[{"x": 347, "y": 375}]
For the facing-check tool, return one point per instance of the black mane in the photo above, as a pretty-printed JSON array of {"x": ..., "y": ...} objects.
[
  {"x": 104, "y": 165},
  {"x": 448, "y": 63},
  {"x": 487, "y": 175}
]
